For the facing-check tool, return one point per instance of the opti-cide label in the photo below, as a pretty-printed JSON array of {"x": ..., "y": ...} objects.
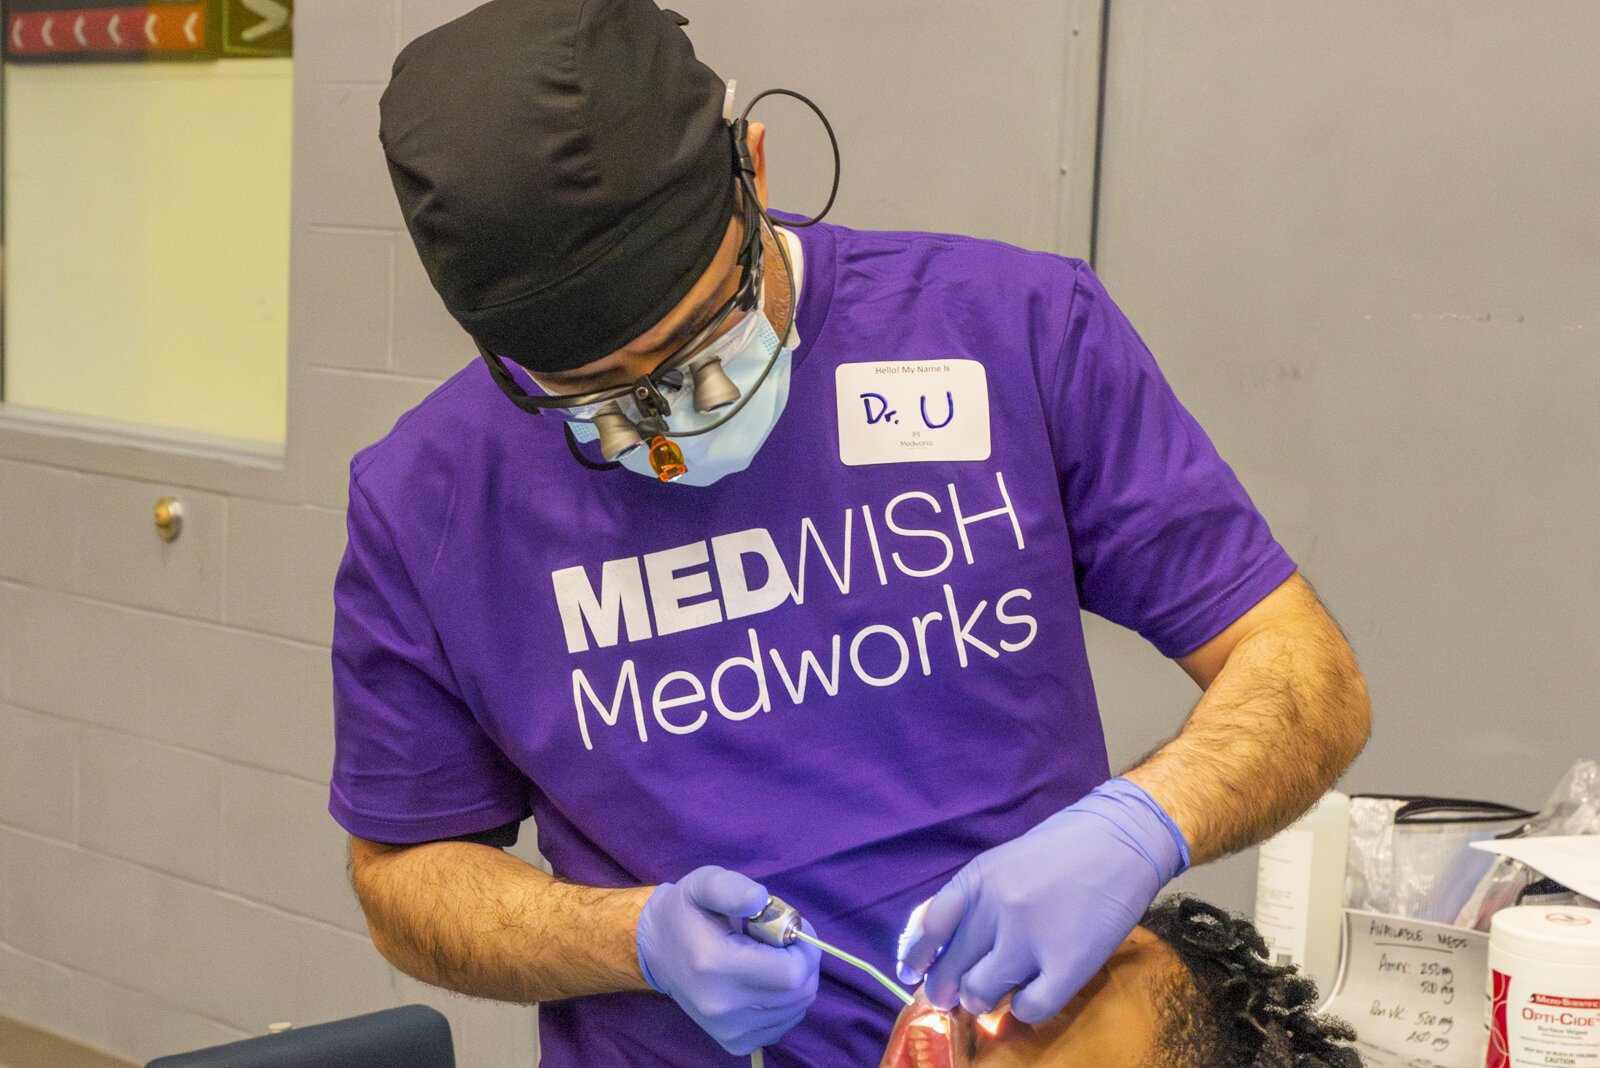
[{"x": 1532, "y": 1029}]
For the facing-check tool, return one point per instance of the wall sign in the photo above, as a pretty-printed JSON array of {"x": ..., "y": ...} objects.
[
  {"x": 257, "y": 27},
  {"x": 57, "y": 31}
]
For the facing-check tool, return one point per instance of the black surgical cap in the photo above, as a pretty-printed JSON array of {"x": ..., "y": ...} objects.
[{"x": 564, "y": 170}]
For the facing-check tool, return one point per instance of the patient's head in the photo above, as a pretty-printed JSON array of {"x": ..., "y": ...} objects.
[{"x": 1191, "y": 987}]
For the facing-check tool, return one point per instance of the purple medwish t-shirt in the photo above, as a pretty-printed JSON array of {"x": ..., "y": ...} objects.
[{"x": 843, "y": 671}]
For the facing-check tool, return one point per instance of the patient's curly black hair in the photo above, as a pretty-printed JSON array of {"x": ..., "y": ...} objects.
[{"x": 1249, "y": 1012}]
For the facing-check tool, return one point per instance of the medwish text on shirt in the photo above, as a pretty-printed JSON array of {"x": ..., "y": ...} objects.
[{"x": 673, "y": 588}]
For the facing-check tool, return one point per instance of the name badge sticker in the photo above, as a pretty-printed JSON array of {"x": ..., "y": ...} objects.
[{"x": 911, "y": 411}]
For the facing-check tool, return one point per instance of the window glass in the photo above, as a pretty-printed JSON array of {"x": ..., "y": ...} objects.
[{"x": 146, "y": 190}]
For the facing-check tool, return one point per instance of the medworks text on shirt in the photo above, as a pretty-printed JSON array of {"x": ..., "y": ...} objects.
[{"x": 637, "y": 598}]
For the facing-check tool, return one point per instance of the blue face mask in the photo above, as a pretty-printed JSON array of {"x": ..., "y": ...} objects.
[{"x": 730, "y": 447}]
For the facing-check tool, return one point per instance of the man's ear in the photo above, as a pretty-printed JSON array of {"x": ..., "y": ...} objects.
[{"x": 756, "y": 140}]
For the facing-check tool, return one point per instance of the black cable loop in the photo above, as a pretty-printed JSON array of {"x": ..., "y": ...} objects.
[{"x": 832, "y": 140}]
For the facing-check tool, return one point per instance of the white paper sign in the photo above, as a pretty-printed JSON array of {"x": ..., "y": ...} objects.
[
  {"x": 1572, "y": 860},
  {"x": 1413, "y": 989},
  {"x": 1374, "y": 1057},
  {"x": 910, "y": 411}
]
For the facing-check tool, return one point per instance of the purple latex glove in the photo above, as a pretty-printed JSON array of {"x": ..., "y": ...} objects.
[
  {"x": 1043, "y": 912},
  {"x": 743, "y": 993}
]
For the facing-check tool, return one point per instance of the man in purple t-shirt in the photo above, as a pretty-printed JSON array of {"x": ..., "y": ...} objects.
[{"x": 749, "y": 561}]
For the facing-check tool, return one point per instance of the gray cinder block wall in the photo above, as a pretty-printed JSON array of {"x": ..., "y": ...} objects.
[{"x": 1360, "y": 237}]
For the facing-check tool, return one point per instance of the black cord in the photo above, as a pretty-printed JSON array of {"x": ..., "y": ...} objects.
[
  {"x": 508, "y": 385},
  {"x": 577, "y": 453},
  {"x": 832, "y": 140}
]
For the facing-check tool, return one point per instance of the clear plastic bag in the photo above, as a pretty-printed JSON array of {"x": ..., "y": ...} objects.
[
  {"x": 1409, "y": 856},
  {"x": 1573, "y": 808}
]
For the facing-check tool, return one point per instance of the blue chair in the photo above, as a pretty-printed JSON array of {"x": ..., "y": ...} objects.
[{"x": 412, "y": 1036}]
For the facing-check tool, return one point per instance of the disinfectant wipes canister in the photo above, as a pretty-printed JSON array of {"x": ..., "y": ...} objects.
[{"x": 1544, "y": 988}]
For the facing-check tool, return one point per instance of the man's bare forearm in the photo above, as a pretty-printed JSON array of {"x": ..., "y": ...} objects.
[
  {"x": 1278, "y": 724},
  {"x": 479, "y": 921}
]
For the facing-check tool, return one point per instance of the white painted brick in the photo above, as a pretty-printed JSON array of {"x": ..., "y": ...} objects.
[
  {"x": 150, "y": 803},
  {"x": 346, "y": 40},
  {"x": 231, "y": 693},
  {"x": 427, "y": 339},
  {"x": 122, "y": 559},
  {"x": 195, "y": 465},
  {"x": 36, "y": 991},
  {"x": 8, "y": 890},
  {"x": 137, "y": 1025},
  {"x": 342, "y": 412},
  {"x": 280, "y": 847},
  {"x": 77, "y": 908},
  {"x": 341, "y": 297},
  {"x": 11, "y": 625},
  {"x": 80, "y": 658},
  {"x": 282, "y": 561},
  {"x": 340, "y": 176},
  {"x": 527, "y": 847},
  {"x": 38, "y": 769},
  {"x": 318, "y": 708},
  {"x": 38, "y": 504},
  {"x": 247, "y": 965}
]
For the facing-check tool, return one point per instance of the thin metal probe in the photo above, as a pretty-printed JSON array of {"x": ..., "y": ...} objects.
[{"x": 894, "y": 988}]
